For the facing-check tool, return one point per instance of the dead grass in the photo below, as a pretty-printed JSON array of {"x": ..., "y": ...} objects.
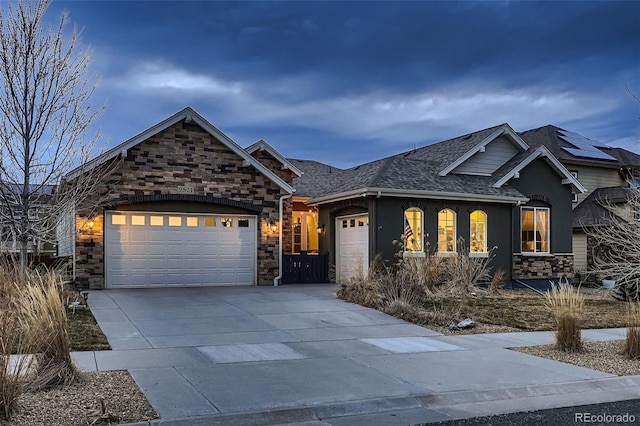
[{"x": 565, "y": 304}]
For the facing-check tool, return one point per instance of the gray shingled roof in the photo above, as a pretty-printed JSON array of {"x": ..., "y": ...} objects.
[
  {"x": 548, "y": 136},
  {"x": 590, "y": 211},
  {"x": 415, "y": 170},
  {"x": 317, "y": 178}
]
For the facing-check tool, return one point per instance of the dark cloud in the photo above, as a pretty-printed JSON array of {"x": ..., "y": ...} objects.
[{"x": 301, "y": 54}]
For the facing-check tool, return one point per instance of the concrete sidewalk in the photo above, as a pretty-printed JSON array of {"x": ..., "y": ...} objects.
[{"x": 265, "y": 355}]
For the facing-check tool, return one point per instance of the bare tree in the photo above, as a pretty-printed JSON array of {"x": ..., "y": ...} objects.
[
  {"x": 616, "y": 247},
  {"x": 46, "y": 119}
]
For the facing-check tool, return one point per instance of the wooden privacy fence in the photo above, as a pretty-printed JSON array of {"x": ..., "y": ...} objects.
[{"x": 305, "y": 268}]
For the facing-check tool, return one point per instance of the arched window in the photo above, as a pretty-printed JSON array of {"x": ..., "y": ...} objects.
[
  {"x": 478, "y": 221},
  {"x": 413, "y": 226},
  {"x": 446, "y": 231}
]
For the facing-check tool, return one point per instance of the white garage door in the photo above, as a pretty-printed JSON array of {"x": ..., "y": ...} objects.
[
  {"x": 352, "y": 246},
  {"x": 145, "y": 249}
]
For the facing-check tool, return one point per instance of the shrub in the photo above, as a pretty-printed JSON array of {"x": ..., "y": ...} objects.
[
  {"x": 464, "y": 272},
  {"x": 566, "y": 305},
  {"x": 13, "y": 369},
  {"x": 632, "y": 341},
  {"x": 497, "y": 281},
  {"x": 426, "y": 271},
  {"x": 363, "y": 289}
]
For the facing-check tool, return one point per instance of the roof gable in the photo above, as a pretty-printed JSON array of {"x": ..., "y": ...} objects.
[
  {"x": 188, "y": 115},
  {"x": 262, "y": 145},
  {"x": 513, "y": 168},
  {"x": 480, "y": 148}
]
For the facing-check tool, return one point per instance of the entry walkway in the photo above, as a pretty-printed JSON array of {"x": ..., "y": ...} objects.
[{"x": 277, "y": 355}]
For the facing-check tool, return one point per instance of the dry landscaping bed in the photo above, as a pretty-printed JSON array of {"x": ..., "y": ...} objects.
[{"x": 81, "y": 403}]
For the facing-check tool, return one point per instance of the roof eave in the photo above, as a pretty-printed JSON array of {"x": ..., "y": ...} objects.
[{"x": 390, "y": 192}]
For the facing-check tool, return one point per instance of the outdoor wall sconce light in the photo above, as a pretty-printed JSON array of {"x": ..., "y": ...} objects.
[
  {"x": 273, "y": 225},
  {"x": 320, "y": 229}
]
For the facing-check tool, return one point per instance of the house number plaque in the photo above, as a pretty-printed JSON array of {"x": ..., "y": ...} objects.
[{"x": 185, "y": 190}]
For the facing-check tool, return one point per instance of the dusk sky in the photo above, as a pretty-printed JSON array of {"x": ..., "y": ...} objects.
[{"x": 349, "y": 82}]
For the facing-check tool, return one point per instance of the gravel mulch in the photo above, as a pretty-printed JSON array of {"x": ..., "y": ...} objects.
[
  {"x": 602, "y": 356},
  {"x": 80, "y": 404}
]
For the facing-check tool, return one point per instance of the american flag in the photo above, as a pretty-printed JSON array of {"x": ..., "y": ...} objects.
[{"x": 407, "y": 231}]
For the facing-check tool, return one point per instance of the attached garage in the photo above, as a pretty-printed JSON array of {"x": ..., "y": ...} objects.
[
  {"x": 155, "y": 249},
  {"x": 352, "y": 246}
]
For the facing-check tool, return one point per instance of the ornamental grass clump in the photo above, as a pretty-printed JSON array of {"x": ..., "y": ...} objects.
[
  {"x": 15, "y": 364},
  {"x": 566, "y": 306},
  {"x": 44, "y": 321},
  {"x": 632, "y": 342}
]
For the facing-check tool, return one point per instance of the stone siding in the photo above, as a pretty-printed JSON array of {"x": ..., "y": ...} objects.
[
  {"x": 183, "y": 158},
  {"x": 527, "y": 267}
]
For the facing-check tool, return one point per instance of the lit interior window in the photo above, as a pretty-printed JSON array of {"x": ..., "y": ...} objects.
[
  {"x": 535, "y": 230},
  {"x": 413, "y": 230},
  {"x": 192, "y": 221},
  {"x": 137, "y": 220},
  {"x": 156, "y": 220},
  {"x": 446, "y": 231},
  {"x": 118, "y": 219},
  {"x": 478, "y": 221},
  {"x": 209, "y": 221},
  {"x": 175, "y": 220}
]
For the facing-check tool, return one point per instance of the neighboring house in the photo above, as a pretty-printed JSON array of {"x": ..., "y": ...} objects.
[
  {"x": 489, "y": 188},
  {"x": 606, "y": 173},
  {"x": 185, "y": 205},
  {"x": 41, "y": 242}
]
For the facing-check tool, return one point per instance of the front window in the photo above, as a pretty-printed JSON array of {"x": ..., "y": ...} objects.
[
  {"x": 413, "y": 225},
  {"x": 535, "y": 230},
  {"x": 446, "y": 231},
  {"x": 478, "y": 220}
]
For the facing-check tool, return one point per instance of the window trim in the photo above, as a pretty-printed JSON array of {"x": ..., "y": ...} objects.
[
  {"x": 455, "y": 232},
  {"x": 535, "y": 210},
  {"x": 486, "y": 219},
  {"x": 574, "y": 173},
  {"x": 419, "y": 231}
]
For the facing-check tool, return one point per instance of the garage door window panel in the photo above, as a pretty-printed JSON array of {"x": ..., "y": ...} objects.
[{"x": 118, "y": 219}]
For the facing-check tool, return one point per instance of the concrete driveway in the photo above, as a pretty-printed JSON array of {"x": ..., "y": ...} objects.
[{"x": 272, "y": 355}]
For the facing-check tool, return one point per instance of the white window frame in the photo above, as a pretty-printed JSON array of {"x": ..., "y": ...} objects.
[
  {"x": 417, "y": 233},
  {"x": 535, "y": 230},
  {"x": 575, "y": 196},
  {"x": 455, "y": 233},
  {"x": 484, "y": 252}
]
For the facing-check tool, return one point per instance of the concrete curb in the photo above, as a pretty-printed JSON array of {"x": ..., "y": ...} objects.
[{"x": 432, "y": 407}]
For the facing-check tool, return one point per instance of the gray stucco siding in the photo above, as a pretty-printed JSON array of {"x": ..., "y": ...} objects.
[{"x": 539, "y": 182}]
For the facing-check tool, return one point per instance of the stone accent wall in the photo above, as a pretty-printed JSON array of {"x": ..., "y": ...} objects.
[
  {"x": 526, "y": 267},
  {"x": 183, "y": 158}
]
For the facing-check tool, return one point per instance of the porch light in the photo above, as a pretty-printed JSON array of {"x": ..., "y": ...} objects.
[
  {"x": 273, "y": 226},
  {"x": 320, "y": 229},
  {"x": 91, "y": 224}
]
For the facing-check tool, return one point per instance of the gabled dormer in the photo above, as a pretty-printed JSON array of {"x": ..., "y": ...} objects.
[
  {"x": 273, "y": 160},
  {"x": 491, "y": 153}
]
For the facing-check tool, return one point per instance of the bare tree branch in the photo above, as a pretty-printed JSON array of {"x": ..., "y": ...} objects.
[{"x": 46, "y": 116}]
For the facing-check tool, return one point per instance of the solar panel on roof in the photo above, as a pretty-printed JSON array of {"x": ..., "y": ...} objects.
[{"x": 584, "y": 147}]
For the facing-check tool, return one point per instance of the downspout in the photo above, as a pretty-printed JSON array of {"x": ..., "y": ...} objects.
[{"x": 281, "y": 212}]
